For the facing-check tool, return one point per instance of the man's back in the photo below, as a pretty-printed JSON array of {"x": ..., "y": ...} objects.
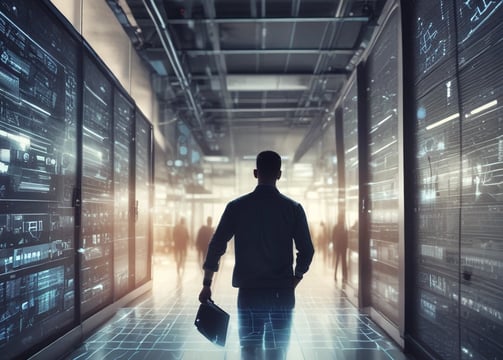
[{"x": 264, "y": 223}]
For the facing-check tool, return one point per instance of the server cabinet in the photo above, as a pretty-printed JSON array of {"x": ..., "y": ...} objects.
[
  {"x": 39, "y": 88},
  {"x": 96, "y": 245},
  {"x": 124, "y": 116},
  {"x": 455, "y": 306},
  {"x": 480, "y": 50},
  {"x": 352, "y": 180},
  {"x": 435, "y": 296},
  {"x": 383, "y": 183},
  {"x": 66, "y": 181},
  {"x": 143, "y": 202}
]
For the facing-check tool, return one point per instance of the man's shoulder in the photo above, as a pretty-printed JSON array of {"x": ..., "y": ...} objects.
[
  {"x": 252, "y": 196},
  {"x": 241, "y": 198},
  {"x": 290, "y": 200}
]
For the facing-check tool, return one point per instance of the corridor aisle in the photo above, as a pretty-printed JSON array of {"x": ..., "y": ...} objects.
[{"x": 161, "y": 325}]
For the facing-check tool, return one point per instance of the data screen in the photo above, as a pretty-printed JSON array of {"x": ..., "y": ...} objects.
[
  {"x": 481, "y": 257},
  {"x": 459, "y": 165},
  {"x": 38, "y": 117},
  {"x": 123, "y": 124},
  {"x": 143, "y": 185},
  {"x": 383, "y": 172},
  {"x": 352, "y": 173},
  {"x": 97, "y": 197}
]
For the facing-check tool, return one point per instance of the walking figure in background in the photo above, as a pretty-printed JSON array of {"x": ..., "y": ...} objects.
[
  {"x": 322, "y": 242},
  {"x": 181, "y": 243},
  {"x": 265, "y": 225},
  {"x": 203, "y": 239},
  {"x": 340, "y": 241}
]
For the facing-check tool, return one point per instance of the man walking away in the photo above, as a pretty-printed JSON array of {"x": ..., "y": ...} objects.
[{"x": 266, "y": 225}]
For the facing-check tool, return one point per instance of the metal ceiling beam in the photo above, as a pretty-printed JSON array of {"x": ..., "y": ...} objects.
[
  {"x": 299, "y": 120},
  {"x": 329, "y": 76},
  {"x": 167, "y": 43},
  {"x": 238, "y": 110},
  {"x": 316, "y": 129},
  {"x": 270, "y": 52},
  {"x": 360, "y": 19},
  {"x": 213, "y": 32},
  {"x": 155, "y": 51}
]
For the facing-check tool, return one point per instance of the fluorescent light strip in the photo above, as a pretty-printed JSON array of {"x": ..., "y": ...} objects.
[
  {"x": 484, "y": 107},
  {"x": 95, "y": 134},
  {"x": 384, "y": 147},
  {"x": 38, "y": 108},
  {"x": 443, "y": 121},
  {"x": 351, "y": 149},
  {"x": 380, "y": 123},
  {"x": 216, "y": 159},
  {"x": 24, "y": 142}
]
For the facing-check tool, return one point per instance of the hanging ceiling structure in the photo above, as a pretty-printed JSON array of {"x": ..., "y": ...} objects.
[{"x": 248, "y": 75}]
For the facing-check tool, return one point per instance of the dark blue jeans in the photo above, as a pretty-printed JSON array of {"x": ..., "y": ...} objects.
[{"x": 265, "y": 319}]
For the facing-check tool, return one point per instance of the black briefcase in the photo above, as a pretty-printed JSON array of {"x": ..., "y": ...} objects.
[{"x": 212, "y": 322}]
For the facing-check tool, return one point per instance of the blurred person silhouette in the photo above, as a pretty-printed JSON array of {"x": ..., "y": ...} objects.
[
  {"x": 322, "y": 241},
  {"x": 340, "y": 241},
  {"x": 266, "y": 225},
  {"x": 203, "y": 239},
  {"x": 181, "y": 243}
]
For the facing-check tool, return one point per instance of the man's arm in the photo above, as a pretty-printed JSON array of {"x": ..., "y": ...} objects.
[
  {"x": 216, "y": 249},
  {"x": 303, "y": 244},
  {"x": 205, "y": 293}
]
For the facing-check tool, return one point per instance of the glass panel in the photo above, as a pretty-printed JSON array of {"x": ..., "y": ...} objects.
[
  {"x": 97, "y": 201},
  {"x": 383, "y": 183},
  {"x": 437, "y": 232},
  {"x": 350, "y": 126},
  {"x": 38, "y": 116},
  {"x": 123, "y": 122},
  {"x": 327, "y": 188},
  {"x": 435, "y": 297},
  {"x": 143, "y": 181},
  {"x": 481, "y": 262}
]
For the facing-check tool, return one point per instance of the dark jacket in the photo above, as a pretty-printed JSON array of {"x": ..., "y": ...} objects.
[{"x": 265, "y": 225}]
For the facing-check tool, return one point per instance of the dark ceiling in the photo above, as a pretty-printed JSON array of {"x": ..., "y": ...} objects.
[{"x": 252, "y": 74}]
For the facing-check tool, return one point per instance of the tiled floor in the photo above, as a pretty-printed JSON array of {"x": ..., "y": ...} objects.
[{"x": 161, "y": 326}]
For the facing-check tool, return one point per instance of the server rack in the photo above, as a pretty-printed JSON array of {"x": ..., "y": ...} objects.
[
  {"x": 66, "y": 141},
  {"x": 455, "y": 306}
]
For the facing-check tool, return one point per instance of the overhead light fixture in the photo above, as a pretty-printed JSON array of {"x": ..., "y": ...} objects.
[
  {"x": 267, "y": 82},
  {"x": 443, "y": 121},
  {"x": 216, "y": 159}
]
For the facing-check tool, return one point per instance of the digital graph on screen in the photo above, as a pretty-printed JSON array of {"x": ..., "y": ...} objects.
[{"x": 474, "y": 15}]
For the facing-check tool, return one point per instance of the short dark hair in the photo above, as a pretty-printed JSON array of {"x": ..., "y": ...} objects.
[{"x": 268, "y": 164}]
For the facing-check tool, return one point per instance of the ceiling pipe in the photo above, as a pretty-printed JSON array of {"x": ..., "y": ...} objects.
[
  {"x": 170, "y": 51},
  {"x": 280, "y": 109},
  {"x": 362, "y": 19}
]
